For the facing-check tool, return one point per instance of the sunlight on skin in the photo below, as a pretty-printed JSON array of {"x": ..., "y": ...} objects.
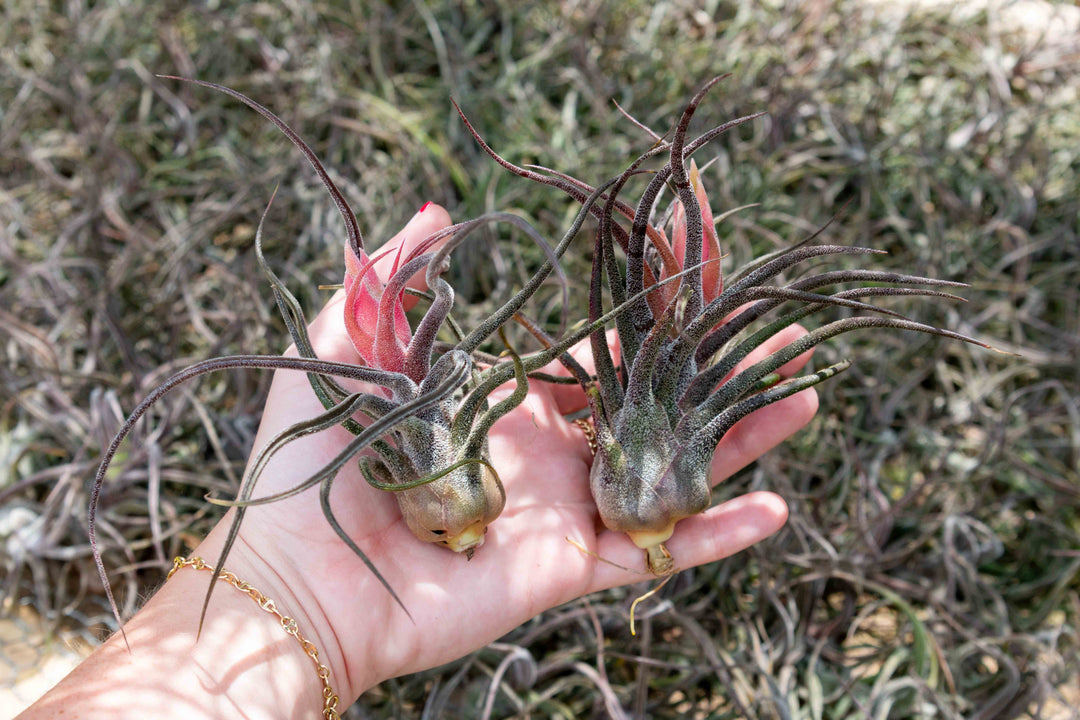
[
  {"x": 525, "y": 566},
  {"x": 288, "y": 551}
]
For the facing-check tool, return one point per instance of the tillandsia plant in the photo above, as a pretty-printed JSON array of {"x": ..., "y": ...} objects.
[
  {"x": 429, "y": 416},
  {"x": 426, "y": 401},
  {"x": 660, "y": 416}
]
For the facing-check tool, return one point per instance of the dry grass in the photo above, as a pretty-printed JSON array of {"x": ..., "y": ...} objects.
[{"x": 930, "y": 565}]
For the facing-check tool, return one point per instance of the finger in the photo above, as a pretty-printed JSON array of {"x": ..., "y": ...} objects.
[
  {"x": 571, "y": 398},
  {"x": 761, "y": 431},
  {"x": 717, "y": 533},
  {"x": 777, "y": 342},
  {"x": 291, "y": 395},
  {"x": 728, "y": 528},
  {"x": 327, "y": 331},
  {"x": 427, "y": 221},
  {"x": 766, "y": 428}
]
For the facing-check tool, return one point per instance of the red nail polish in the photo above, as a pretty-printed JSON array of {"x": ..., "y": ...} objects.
[{"x": 425, "y": 206}]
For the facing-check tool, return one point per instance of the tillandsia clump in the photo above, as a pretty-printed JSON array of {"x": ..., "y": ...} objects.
[
  {"x": 426, "y": 403},
  {"x": 659, "y": 416}
]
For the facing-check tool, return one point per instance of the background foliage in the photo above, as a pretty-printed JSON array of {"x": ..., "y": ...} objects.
[{"x": 930, "y": 564}]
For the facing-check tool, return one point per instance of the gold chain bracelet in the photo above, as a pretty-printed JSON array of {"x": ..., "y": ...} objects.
[
  {"x": 589, "y": 432},
  {"x": 330, "y": 698}
]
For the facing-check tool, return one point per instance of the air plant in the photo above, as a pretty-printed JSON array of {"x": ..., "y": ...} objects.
[
  {"x": 429, "y": 416},
  {"x": 659, "y": 417}
]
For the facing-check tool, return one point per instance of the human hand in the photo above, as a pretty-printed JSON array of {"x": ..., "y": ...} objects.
[{"x": 526, "y": 564}]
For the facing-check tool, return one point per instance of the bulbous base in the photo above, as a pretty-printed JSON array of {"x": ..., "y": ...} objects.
[
  {"x": 656, "y": 553},
  {"x": 660, "y": 561},
  {"x": 468, "y": 539}
]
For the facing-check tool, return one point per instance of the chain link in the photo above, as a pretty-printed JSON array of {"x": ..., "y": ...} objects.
[
  {"x": 330, "y": 698},
  {"x": 589, "y": 432}
]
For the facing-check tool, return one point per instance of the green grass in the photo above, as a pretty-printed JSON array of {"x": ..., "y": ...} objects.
[{"x": 932, "y": 556}]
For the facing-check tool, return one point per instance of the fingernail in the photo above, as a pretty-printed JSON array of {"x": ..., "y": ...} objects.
[{"x": 424, "y": 207}]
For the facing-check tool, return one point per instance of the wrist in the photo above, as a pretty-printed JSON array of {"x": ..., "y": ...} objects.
[
  {"x": 242, "y": 664},
  {"x": 278, "y": 592}
]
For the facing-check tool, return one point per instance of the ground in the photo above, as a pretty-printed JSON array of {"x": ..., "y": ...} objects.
[{"x": 930, "y": 564}]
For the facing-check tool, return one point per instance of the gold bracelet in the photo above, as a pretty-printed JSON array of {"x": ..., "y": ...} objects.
[
  {"x": 589, "y": 431},
  {"x": 330, "y": 698}
]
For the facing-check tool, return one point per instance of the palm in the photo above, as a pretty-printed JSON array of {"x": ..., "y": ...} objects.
[
  {"x": 543, "y": 462},
  {"x": 526, "y": 564}
]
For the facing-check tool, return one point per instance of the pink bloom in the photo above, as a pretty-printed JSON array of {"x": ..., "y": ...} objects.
[
  {"x": 711, "y": 275},
  {"x": 375, "y": 319}
]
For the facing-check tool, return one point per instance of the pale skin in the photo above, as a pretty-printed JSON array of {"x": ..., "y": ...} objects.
[{"x": 244, "y": 665}]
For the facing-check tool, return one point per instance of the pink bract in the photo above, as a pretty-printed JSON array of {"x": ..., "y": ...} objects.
[
  {"x": 712, "y": 279},
  {"x": 375, "y": 319}
]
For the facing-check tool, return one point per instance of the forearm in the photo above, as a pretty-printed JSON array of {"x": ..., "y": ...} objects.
[{"x": 243, "y": 665}]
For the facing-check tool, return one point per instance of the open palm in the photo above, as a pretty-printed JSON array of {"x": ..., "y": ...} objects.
[{"x": 526, "y": 564}]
